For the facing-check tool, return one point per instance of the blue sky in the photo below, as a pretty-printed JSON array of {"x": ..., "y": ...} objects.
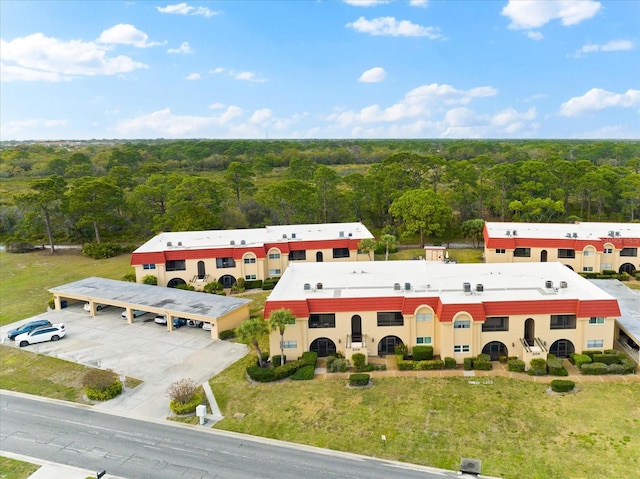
[{"x": 319, "y": 69}]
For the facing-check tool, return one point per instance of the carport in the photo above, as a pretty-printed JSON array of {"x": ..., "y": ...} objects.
[{"x": 221, "y": 312}]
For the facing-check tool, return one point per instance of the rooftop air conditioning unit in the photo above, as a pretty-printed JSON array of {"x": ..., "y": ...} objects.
[
  {"x": 548, "y": 284},
  {"x": 396, "y": 286},
  {"x": 407, "y": 286},
  {"x": 284, "y": 236},
  {"x": 341, "y": 234},
  {"x": 243, "y": 242},
  {"x": 563, "y": 284},
  {"x": 568, "y": 235},
  {"x": 169, "y": 243},
  {"x": 612, "y": 233},
  {"x": 466, "y": 287},
  {"x": 617, "y": 233},
  {"x": 479, "y": 287},
  {"x": 470, "y": 466},
  {"x": 318, "y": 285},
  {"x": 575, "y": 235},
  {"x": 350, "y": 235},
  {"x": 515, "y": 233},
  {"x": 508, "y": 232},
  {"x": 232, "y": 242},
  {"x": 179, "y": 243},
  {"x": 293, "y": 235},
  {"x": 307, "y": 286}
]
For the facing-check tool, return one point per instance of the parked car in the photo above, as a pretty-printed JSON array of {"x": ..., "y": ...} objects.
[
  {"x": 27, "y": 327},
  {"x": 51, "y": 332},
  {"x": 177, "y": 322},
  {"x": 135, "y": 312},
  {"x": 206, "y": 326},
  {"x": 99, "y": 307},
  {"x": 192, "y": 323}
]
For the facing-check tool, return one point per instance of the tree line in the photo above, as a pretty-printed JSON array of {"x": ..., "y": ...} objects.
[{"x": 417, "y": 190}]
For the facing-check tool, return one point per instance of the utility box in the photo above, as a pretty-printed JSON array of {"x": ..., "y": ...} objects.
[{"x": 201, "y": 412}]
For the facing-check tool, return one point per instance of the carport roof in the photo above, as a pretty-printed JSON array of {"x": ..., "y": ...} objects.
[
  {"x": 156, "y": 299},
  {"x": 629, "y": 302}
]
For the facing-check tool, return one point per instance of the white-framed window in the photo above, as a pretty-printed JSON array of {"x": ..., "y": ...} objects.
[
  {"x": 589, "y": 252},
  {"x": 461, "y": 324},
  {"x": 249, "y": 260},
  {"x": 274, "y": 255},
  {"x": 606, "y": 265},
  {"x": 596, "y": 320},
  {"x": 608, "y": 251},
  {"x": 423, "y": 317},
  {"x": 423, "y": 340},
  {"x": 595, "y": 343},
  {"x": 587, "y": 269},
  {"x": 275, "y": 272},
  {"x": 501, "y": 251},
  {"x": 148, "y": 266},
  {"x": 250, "y": 277},
  {"x": 461, "y": 348},
  {"x": 289, "y": 344}
]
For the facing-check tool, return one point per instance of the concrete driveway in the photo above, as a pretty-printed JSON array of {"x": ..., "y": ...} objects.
[{"x": 142, "y": 350}]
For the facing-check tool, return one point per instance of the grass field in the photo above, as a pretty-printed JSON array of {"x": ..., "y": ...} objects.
[{"x": 14, "y": 469}]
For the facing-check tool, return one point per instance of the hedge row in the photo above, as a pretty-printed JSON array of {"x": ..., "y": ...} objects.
[
  {"x": 422, "y": 353},
  {"x": 187, "y": 408},
  {"x": 482, "y": 362},
  {"x": 358, "y": 379},
  {"x": 105, "y": 394},
  {"x": 425, "y": 365},
  {"x": 277, "y": 372}
]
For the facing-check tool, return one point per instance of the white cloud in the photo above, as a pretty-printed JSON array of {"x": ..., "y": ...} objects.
[
  {"x": 389, "y": 26},
  {"x": 612, "y": 46},
  {"x": 29, "y": 129},
  {"x": 216, "y": 106},
  {"x": 184, "y": 9},
  {"x": 245, "y": 76},
  {"x": 183, "y": 48},
  {"x": 373, "y": 75},
  {"x": 528, "y": 14},
  {"x": 125, "y": 34},
  {"x": 418, "y": 3},
  {"x": 261, "y": 116},
  {"x": 534, "y": 35},
  {"x": 598, "y": 99},
  {"x": 193, "y": 76},
  {"x": 365, "y": 3},
  {"x": 40, "y": 58}
]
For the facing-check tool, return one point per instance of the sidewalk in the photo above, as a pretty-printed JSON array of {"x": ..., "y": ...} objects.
[{"x": 50, "y": 470}]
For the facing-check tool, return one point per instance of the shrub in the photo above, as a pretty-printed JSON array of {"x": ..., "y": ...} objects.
[
  {"x": 428, "y": 364},
  {"x": 305, "y": 373},
  {"x": 358, "y": 379},
  {"x": 503, "y": 359},
  {"x": 468, "y": 364},
  {"x": 516, "y": 365},
  {"x": 484, "y": 357},
  {"x": 182, "y": 391},
  {"x": 52, "y": 302},
  {"x": 358, "y": 360},
  {"x": 562, "y": 385},
  {"x": 555, "y": 367},
  {"x": 129, "y": 278},
  {"x": 615, "y": 368},
  {"x": 538, "y": 363},
  {"x": 606, "y": 358},
  {"x": 253, "y": 284},
  {"x": 405, "y": 365},
  {"x": 482, "y": 365},
  {"x": 609, "y": 272},
  {"x": 594, "y": 369},
  {"x": 262, "y": 375},
  {"x": 103, "y": 250},
  {"x": 450, "y": 363},
  {"x": 401, "y": 349},
  {"x": 624, "y": 276},
  {"x": 212, "y": 287},
  {"x": 421, "y": 353},
  {"x": 101, "y": 384},
  {"x": 269, "y": 283},
  {"x": 276, "y": 360},
  {"x": 185, "y": 408},
  {"x": 629, "y": 366},
  {"x": 580, "y": 359},
  {"x": 336, "y": 364},
  {"x": 310, "y": 358},
  {"x": 227, "y": 334},
  {"x": 590, "y": 353},
  {"x": 186, "y": 287},
  {"x": 150, "y": 279}
]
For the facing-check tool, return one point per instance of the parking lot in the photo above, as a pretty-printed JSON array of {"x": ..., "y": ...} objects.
[{"x": 143, "y": 350}]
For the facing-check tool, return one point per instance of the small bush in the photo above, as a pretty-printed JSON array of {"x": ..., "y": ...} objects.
[
  {"x": 213, "y": 287},
  {"x": 129, "y": 278},
  {"x": 104, "y": 394},
  {"x": 591, "y": 353},
  {"x": 276, "y": 360},
  {"x": 401, "y": 350},
  {"x": 227, "y": 334},
  {"x": 51, "y": 303},
  {"x": 185, "y": 408},
  {"x": 468, "y": 364},
  {"x": 562, "y": 385},
  {"x": 182, "y": 391},
  {"x": 555, "y": 367},
  {"x": 594, "y": 369},
  {"x": 103, "y": 250},
  {"x": 538, "y": 363},
  {"x": 150, "y": 279},
  {"x": 615, "y": 369},
  {"x": 580, "y": 359},
  {"x": 405, "y": 365},
  {"x": 101, "y": 384},
  {"x": 516, "y": 365},
  {"x": 484, "y": 357},
  {"x": 450, "y": 363},
  {"x": 421, "y": 353},
  {"x": 428, "y": 365},
  {"x": 336, "y": 364},
  {"x": 310, "y": 358},
  {"x": 609, "y": 272},
  {"x": 629, "y": 366},
  {"x": 606, "y": 358},
  {"x": 253, "y": 284},
  {"x": 358, "y": 360},
  {"x": 482, "y": 365},
  {"x": 269, "y": 283},
  {"x": 262, "y": 375},
  {"x": 359, "y": 379},
  {"x": 503, "y": 359},
  {"x": 305, "y": 373}
]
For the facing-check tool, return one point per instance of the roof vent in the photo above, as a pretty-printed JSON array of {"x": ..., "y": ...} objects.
[
  {"x": 563, "y": 284},
  {"x": 407, "y": 286},
  {"x": 612, "y": 233},
  {"x": 293, "y": 235},
  {"x": 508, "y": 232},
  {"x": 515, "y": 233},
  {"x": 307, "y": 286},
  {"x": 575, "y": 235},
  {"x": 243, "y": 242},
  {"x": 479, "y": 287},
  {"x": 284, "y": 236},
  {"x": 350, "y": 235},
  {"x": 232, "y": 242},
  {"x": 617, "y": 233},
  {"x": 179, "y": 243},
  {"x": 568, "y": 235},
  {"x": 466, "y": 287},
  {"x": 396, "y": 286},
  {"x": 169, "y": 243},
  {"x": 548, "y": 284},
  {"x": 318, "y": 285},
  {"x": 341, "y": 234}
]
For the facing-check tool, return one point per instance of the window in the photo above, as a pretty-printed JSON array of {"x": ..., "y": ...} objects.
[
  {"x": 275, "y": 272},
  {"x": 629, "y": 252},
  {"x": 148, "y": 266},
  {"x": 249, "y": 260},
  {"x": 297, "y": 255},
  {"x": 496, "y": 323},
  {"x": 461, "y": 348},
  {"x": 608, "y": 251},
  {"x": 289, "y": 344},
  {"x": 588, "y": 252},
  {"x": 250, "y": 277},
  {"x": 225, "y": 263},
  {"x": 596, "y": 320},
  {"x": 393, "y": 318},
  {"x": 606, "y": 266},
  {"x": 340, "y": 252},
  {"x": 176, "y": 265},
  {"x": 423, "y": 340},
  {"x": 567, "y": 253},
  {"x": 274, "y": 255},
  {"x": 422, "y": 317},
  {"x": 563, "y": 321},
  {"x": 323, "y": 320},
  {"x": 462, "y": 324},
  {"x": 522, "y": 252},
  {"x": 595, "y": 343},
  {"x": 501, "y": 251},
  {"x": 587, "y": 269}
]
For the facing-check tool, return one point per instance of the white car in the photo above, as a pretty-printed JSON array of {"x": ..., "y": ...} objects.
[
  {"x": 99, "y": 307},
  {"x": 135, "y": 313},
  {"x": 42, "y": 334},
  {"x": 206, "y": 326},
  {"x": 192, "y": 323}
]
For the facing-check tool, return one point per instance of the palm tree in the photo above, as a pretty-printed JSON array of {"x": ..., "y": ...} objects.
[
  {"x": 368, "y": 245},
  {"x": 389, "y": 241},
  {"x": 279, "y": 320},
  {"x": 251, "y": 331}
]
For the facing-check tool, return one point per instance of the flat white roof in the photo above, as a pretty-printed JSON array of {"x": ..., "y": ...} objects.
[
  {"x": 500, "y": 281},
  {"x": 584, "y": 231},
  {"x": 629, "y": 302},
  {"x": 254, "y": 236}
]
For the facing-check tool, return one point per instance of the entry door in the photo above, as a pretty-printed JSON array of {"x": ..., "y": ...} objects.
[
  {"x": 201, "y": 270},
  {"x": 319, "y": 257},
  {"x": 356, "y": 329},
  {"x": 543, "y": 256},
  {"x": 529, "y": 331}
]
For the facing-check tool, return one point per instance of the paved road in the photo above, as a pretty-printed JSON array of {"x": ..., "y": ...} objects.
[{"x": 81, "y": 437}]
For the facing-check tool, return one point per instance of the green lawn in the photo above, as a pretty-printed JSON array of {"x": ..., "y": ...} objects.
[{"x": 14, "y": 469}]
